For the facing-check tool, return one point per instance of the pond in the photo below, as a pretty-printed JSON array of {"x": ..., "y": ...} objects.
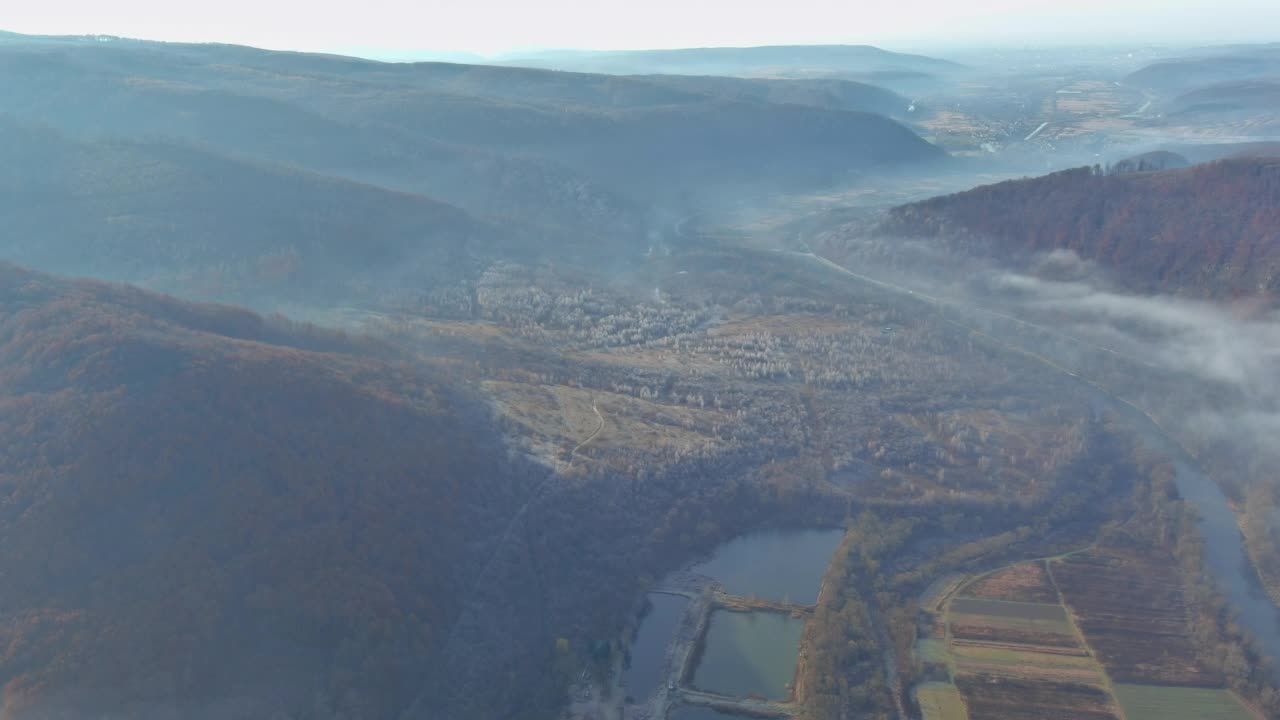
[
  {"x": 749, "y": 654},
  {"x": 647, "y": 657},
  {"x": 778, "y": 565},
  {"x": 745, "y": 653}
]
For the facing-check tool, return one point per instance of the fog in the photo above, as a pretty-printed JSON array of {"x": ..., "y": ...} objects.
[
  {"x": 493, "y": 27},
  {"x": 1206, "y": 371}
]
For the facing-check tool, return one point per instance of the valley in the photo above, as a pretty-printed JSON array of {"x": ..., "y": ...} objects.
[{"x": 662, "y": 385}]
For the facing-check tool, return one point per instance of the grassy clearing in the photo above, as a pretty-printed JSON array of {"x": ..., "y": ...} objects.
[
  {"x": 1155, "y": 702},
  {"x": 941, "y": 701},
  {"x": 933, "y": 651}
]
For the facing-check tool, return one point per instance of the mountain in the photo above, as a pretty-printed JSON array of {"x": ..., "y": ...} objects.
[
  {"x": 184, "y": 219},
  {"x": 200, "y": 94},
  {"x": 766, "y": 61},
  {"x": 549, "y": 148},
  {"x": 207, "y": 514},
  {"x": 1209, "y": 230}
]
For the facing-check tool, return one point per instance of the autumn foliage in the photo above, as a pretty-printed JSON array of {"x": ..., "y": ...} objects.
[
  {"x": 1208, "y": 231},
  {"x": 211, "y": 512}
]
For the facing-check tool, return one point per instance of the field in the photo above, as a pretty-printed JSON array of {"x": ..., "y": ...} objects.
[
  {"x": 1068, "y": 664},
  {"x": 999, "y": 698},
  {"x": 1031, "y": 612},
  {"x": 1028, "y": 582},
  {"x": 941, "y": 701},
  {"x": 1153, "y": 702},
  {"x": 1116, "y": 645},
  {"x": 1011, "y": 658},
  {"x": 1128, "y": 602}
]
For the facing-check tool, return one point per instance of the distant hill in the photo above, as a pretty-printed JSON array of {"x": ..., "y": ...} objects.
[
  {"x": 830, "y": 94},
  {"x": 1240, "y": 96},
  {"x": 1207, "y": 152},
  {"x": 1209, "y": 230},
  {"x": 1180, "y": 75},
  {"x": 551, "y": 148},
  {"x": 766, "y": 61},
  {"x": 210, "y": 515},
  {"x": 183, "y": 219}
]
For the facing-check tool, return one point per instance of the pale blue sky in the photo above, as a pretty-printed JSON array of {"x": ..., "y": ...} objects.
[{"x": 491, "y": 26}]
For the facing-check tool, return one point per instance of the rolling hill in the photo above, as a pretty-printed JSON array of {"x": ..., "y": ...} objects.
[{"x": 1209, "y": 230}]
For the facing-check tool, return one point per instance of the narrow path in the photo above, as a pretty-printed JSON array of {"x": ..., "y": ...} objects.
[{"x": 593, "y": 436}]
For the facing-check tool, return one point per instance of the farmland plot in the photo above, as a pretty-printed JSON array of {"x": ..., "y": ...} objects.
[
  {"x": 1154, "y": 702},
  {"x": 1129, "y": 604}
]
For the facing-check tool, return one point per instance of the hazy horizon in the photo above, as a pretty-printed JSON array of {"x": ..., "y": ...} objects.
[{"x": 488, "y": 29}]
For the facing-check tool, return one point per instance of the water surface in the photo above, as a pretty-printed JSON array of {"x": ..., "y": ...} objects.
[
  {"x": 649, "y": 647},
  {"x": 749, "y": 653},
  {"x": 778, "y": 565}
]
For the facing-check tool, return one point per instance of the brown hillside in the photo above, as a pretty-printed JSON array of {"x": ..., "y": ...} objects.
[
  {"x": 210, "y": 514},
  {"x": 1210, "y": 230}
]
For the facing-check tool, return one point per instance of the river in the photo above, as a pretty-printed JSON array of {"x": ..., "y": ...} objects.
[{"x": 1224, "y": 545}]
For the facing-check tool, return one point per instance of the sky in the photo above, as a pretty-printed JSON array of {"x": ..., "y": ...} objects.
[{"x": 490, "y": 27}]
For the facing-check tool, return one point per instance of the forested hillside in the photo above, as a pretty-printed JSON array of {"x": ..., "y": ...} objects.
[
  {"x": 1209, "y": 231},
  {"x": 209, "y": 514}
]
